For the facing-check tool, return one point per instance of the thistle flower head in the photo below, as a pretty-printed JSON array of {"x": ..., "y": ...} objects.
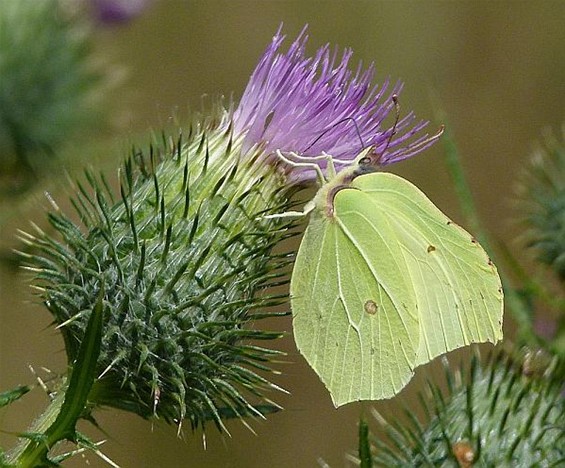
[
  {"x": 118, "y": 11},
  {"x": 312, "y": 105},
  {"x": 183, "y": 257}
]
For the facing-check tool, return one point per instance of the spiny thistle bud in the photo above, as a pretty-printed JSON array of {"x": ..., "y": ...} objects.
[
  {"x": 182, "y": 258},
  {"x": 46, "y": 80},
  {"x": 510, "y": 413},
  {"x": 185, "y": 256},
  {"x": 541, "y": 192}
]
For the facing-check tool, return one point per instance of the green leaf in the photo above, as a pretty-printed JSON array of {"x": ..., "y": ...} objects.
[
  {"x": 74, "y": 404},
  {"x": 82, "y": 375},
  {"x": 9, "y": 396},
  {"x": 384, "y": 282}
]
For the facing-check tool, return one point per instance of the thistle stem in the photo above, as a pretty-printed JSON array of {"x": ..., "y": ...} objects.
[
  {"x": 462, "y": 189},
  {"x": 365, "y": 459},
  {"x": 520, "y": 310}
]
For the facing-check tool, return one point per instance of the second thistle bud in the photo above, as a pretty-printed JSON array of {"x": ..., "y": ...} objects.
[
  {"x": 542, "y": 199},
  {"x": 508, "y": 414}
]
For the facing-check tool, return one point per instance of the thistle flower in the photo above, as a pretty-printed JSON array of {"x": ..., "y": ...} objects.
[
  {"x": 311, "y": 105},
  {"x": 118, "y": 11},
  {"x": 185, "y": 256}
]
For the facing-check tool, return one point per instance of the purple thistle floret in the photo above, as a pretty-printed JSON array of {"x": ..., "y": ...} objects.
[{"x": 311, "y": 105}]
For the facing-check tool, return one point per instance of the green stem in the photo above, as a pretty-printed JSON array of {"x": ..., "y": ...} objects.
[
  {"x": 365, "y": 459},
  {"x": 462, "y": 189},
  {"x": 516, "y": 303}
]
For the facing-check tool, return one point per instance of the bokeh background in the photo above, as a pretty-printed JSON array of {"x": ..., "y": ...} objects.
[{"x": 497, "y": 69}]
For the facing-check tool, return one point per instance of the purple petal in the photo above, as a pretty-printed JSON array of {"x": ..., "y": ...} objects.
[{"x": 311, "y": 105}]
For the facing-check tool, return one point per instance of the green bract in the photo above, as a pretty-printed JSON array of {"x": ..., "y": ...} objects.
[{"x": 385, "y": 282}]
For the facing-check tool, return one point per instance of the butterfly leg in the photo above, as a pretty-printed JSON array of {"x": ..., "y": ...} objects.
[
  {"x": 310, "y": 165},
  {"x": 307, "y": 161},
  {"x": 324, "y": 155},
  {"x": 292, "y": 214}
]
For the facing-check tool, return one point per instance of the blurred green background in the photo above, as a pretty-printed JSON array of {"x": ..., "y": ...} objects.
[{"x": 496, "y": 68}]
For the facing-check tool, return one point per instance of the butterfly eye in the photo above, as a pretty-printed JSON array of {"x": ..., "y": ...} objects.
[{"x": 367, "y": 164}]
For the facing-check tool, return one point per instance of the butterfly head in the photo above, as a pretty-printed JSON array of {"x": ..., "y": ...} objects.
[{"x": 368, "y": 162}]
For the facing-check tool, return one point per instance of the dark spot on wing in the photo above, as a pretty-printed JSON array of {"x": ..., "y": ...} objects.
[
  {"x": 431, "y": 248},
  {"x": 371, "y": 307}
]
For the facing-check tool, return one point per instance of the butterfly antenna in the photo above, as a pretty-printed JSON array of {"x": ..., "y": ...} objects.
[
  {"x": 358, "y": 132},
  {"x": 396, "y": 119},
  {"x": 346, "y": 119}
]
